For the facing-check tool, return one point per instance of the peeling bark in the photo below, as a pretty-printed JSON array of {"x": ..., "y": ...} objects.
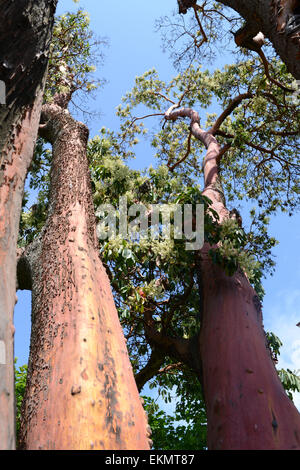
[
  {"x": 25, "y": 34},
  {"x": 81, "y": 392},
  {"x": 266, "y": 16}
]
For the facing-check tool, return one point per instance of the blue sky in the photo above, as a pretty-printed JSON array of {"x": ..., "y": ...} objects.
[{"x": 134, "y": 48}]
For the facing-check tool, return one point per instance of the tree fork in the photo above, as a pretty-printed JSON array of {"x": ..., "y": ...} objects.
[
  {"x": 81, "y": 393},
  {"x": 25, "y": 34}
]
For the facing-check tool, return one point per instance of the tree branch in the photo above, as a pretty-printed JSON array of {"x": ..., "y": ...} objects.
[
  {"x": 151, "y": 368},
  {"x": 230, "y": 108},
  {"x": 180, "y": 349}
]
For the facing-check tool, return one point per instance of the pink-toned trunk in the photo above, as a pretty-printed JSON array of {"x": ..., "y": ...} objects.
[
  {"x": 81, "y": 392},
  {"x": 11, "y": 193},
  {"x": 247, "y": 407}
]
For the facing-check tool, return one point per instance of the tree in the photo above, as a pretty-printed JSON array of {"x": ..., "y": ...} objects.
[
  {"x": 257, "y": 129},
  {"x": 23, "y": 73},
  {"x": 278, "y": 20},
  {"x": 229, "y": 354},
  {"x": 77, "y": 350},
  {"x": 137, "y": 270}
]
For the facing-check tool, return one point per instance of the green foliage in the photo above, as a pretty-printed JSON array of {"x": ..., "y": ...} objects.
[
  {"x": 74, "y": 55},
  {"x": 20, "y": 384},
  {"x": 33, "y": 219},
  {"x": 168, "y": 434},
  {"x": 159, "y": 275},
  {"x": 274, "y": 344},
  {"x": 261, "y": 164},
  {"x": 290, "y": 381},
  {"x": 186, "y": 428}
]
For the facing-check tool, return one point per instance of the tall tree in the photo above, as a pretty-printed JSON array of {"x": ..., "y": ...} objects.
[
  {"x": 25, "y": 35},
  {"x": 68, "y": 240},
  {"x": 229, "y": 353},
  {"x": 80, "y": 391}
]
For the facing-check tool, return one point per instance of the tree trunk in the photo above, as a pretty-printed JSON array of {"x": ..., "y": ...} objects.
[
  {"x": 265, "y": 15},
  {"x": 81, "y": 392},
  {"x": 25, "y": 34},
  {"x": 247, "y": 407}
]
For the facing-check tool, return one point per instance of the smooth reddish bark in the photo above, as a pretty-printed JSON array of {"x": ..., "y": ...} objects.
[
  {"x": 247, "y": 407},
  {"x": 81, "y": 392},
  {"x": 11, "y": 193}
]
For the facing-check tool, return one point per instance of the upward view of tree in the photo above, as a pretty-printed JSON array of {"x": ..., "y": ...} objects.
[{"x": 111, "y": 315}]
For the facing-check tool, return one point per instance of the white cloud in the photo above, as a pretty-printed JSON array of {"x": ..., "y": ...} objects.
[{"x": 281, "y": 315}]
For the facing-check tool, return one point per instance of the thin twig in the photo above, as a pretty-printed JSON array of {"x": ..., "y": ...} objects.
[{"x": 144, "y": 117}]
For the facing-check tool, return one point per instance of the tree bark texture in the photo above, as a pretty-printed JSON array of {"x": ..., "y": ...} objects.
[
  {"x": 81, "y": 392},
  {"x": 25, "y": 34},
  {"x": 247, "y": 407},
  {"x": 265, "y": 15}
]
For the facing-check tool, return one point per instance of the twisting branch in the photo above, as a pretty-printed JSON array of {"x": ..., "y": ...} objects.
[
  {"x": 204, "y": 37},
  {"x": 214, "y": 151},
  {"x": 253, "y": 41},
  {"x": 178, "y": 348},
  {"x": 267, "y": 72}
]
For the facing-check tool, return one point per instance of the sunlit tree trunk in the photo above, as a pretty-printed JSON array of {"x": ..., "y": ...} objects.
[
  {"x": 25, "y": 34},
  {"x": 81, "y": 392},
  {"x": 247, "y": 407}
]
